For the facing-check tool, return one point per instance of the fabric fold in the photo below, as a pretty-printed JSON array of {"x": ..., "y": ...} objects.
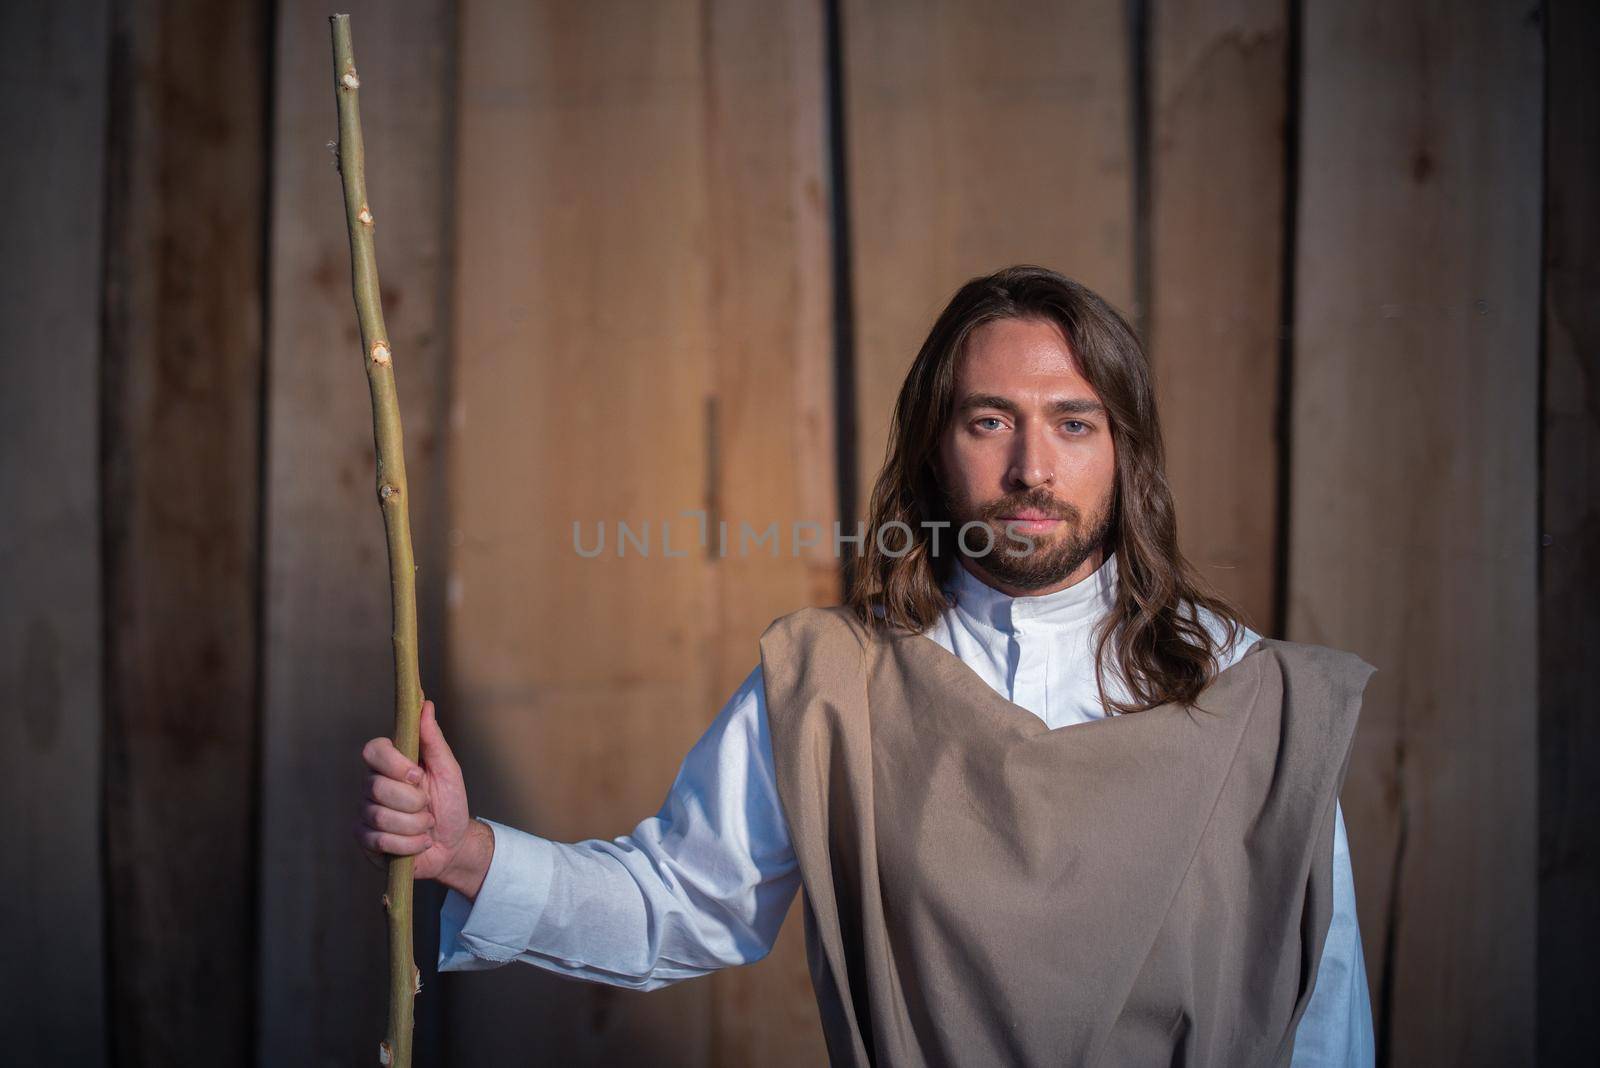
[{"x": 980, "y": 888}]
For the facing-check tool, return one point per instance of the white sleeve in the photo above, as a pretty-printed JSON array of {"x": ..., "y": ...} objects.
[
  {"x": 703, "y": 884},
  {"x": 1336, "y": 1029}
]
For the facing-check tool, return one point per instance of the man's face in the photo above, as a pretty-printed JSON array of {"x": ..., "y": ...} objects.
[{"x": 1028, "y": 445}]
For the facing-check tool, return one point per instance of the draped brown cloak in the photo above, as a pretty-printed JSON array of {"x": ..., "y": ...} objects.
[{"x": 1151, "y": 888}]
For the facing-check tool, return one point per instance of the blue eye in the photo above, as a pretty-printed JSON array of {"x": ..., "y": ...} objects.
[
  {"x": 989, "y": 419},
  {"x": 1078, "y": 423}
]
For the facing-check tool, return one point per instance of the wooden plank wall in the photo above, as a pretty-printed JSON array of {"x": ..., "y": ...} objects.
[
  {"x": 180, "y": 510},
  {"x": 613, "y": 239},
  {"x": 1219, "y": 83},
  {"x": 642, "y": 331},
  {"x": 581, "y": 379},
  {"x": 978, "y": 136},
  {"x": 773, "y": 456},
  {"x": 1412, "y": 530},
  {"x": 1569, "y": 619},
  {"x": 327, "y": 617},
  {"x": 53, "y": 124}
]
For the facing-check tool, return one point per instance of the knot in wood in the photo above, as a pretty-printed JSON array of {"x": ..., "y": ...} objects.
[
  {"x": 350, "y": 81},
  {"x": 380, "y": 354},
  {"x": 386, "y": 491}
]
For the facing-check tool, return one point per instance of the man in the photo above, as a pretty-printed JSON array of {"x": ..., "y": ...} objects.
[{"x": 1169, "y": 881}]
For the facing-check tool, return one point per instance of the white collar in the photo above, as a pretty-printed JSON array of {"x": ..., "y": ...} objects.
[{"x": 1083, "y": 602}]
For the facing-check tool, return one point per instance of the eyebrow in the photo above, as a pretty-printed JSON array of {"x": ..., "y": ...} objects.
[{"x": 1064, "y": 406}]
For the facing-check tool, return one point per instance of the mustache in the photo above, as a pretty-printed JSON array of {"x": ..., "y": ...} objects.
[{"x": 1033, "y": 501}]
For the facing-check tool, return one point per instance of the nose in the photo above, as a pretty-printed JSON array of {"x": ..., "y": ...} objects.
[{"x": 1031, "y": 462}]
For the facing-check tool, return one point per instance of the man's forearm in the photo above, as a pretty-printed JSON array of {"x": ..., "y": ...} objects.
[{"x": 471, "y": 864}]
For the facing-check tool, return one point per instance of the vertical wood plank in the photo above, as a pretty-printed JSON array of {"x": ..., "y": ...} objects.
[
  {"x": 771, "y": 351},
  {"x": 324, "y": 993},
  {"x": 978, "y": 136},
  {"x": 643, "y": 241},
  {"x": 181, "y": 513},
  {"x": 1219, "y": 97},
  {"x": 53, "y": 124},
  {"x": 583, "y": 373},
  {"x": 1569, "y": 621},
  {"x": 1414, "y": 480}
]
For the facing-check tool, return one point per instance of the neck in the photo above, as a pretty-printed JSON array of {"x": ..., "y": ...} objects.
[{"x": 1090, "y": 565}]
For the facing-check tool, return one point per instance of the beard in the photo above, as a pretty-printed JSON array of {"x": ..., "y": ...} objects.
[{"x": 1054, "y": 555}]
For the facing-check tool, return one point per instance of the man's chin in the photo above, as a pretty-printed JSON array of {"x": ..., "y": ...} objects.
[
  {"x": 1053, "y": 558},
  {"x": 1032, "y": 576}
]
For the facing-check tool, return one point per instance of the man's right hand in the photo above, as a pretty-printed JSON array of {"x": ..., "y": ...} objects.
[{"x": 421, "y": 811}]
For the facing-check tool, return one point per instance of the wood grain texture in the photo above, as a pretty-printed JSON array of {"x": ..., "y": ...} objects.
[
  {"x": 1219, "y": 87},
  {"x": 1414, "y": 481},
  {"x": 328, "y": 657},
  {"x": 1569, "y": 621},
  {"x": 643, "y": 333},
  {"x": 771, "y": 356},
  {"x": 53, "y": 124},
  {"x": 978, "y": 136},
  {"x": 582, "y": 374},
  {"x": 181, "y": 493}
]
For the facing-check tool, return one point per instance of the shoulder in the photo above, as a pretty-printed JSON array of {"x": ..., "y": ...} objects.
[
  {"x": 833, "y": 623},
  {"x": 1338, "y": 674},
  {"x": 813, "y": 662},
  {"x": 1317, "y": 687}
]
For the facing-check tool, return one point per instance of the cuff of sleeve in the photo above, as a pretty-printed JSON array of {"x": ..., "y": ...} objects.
[
  {"x": 497, "y": 926},
  {"x": 454, "y": 956}
]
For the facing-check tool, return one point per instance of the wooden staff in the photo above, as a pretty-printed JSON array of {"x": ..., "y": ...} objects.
[{"x": 405, "y": 981}]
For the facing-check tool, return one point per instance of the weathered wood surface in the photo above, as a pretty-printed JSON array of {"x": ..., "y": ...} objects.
[
  {"x": 1412, "y": 539},
  {"x": 1569, "y": 620},
  {"x": 53, "y": 124},
  {"x": 642, "y": 332},
  {"x": 607, "y": 274},
  {"x": 583, "y": 367},
  {"x": 773, "y": 458},
  {"x": 1219, "y": 85},
  {"x": 180, "y": 508},
  {"x": 978, "y": 136},
  {"x": 328, "y": 657}
]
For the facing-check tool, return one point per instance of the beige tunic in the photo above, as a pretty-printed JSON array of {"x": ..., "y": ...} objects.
[{"x": 1152, "y": 888}]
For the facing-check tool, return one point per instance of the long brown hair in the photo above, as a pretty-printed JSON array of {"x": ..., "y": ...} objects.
[{"x": 1162, "y": 650}]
